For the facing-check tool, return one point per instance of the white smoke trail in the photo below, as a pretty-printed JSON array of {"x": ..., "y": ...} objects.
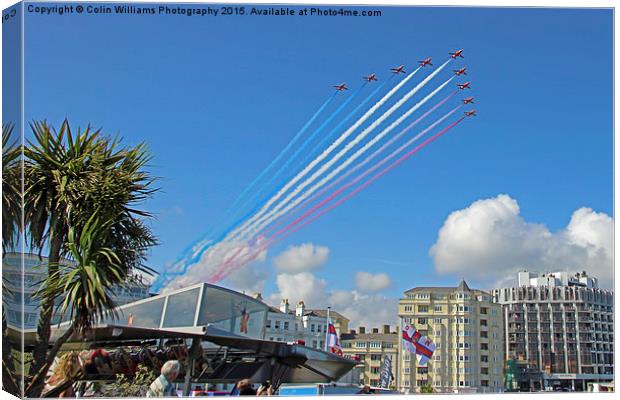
[
  {"x": 270, "y": 217},
  {"x": 245, "y": 229},
  {"x": 324, "y": 154}
]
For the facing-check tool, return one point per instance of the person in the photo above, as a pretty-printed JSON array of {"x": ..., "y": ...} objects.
[
  {"x": 366, "y": 390},
  {"x": 64, "y": 369},
  {"x": 244, "y": 388},
  {"x": 162, "y": 386}
]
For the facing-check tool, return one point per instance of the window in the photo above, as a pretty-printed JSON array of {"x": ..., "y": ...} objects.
[
  {"x": 407, "y": 308},
  {"x": 438, "y": 308},
  {"x": 374, "y": 370},
  {"x": 421, "y": 321},
  {"x": 360, "y": 345},
  {"x": 423, "y": 309},
  {"x": 407, "y": 370},
  {"x": 484, "y": 334},
  {"x": 437, "y": 333},
  {"x": 312, "y": 328},
  {"x": 484, "y": 359},
  {"x": 277, "y": 324},
  {"x": 318, "y": 328},
  {"x": 286, "y": 325},
  {"x": 437, "y": 358},
  {"x": 375, "y": 345},
  {"x": 314, "y": 344},
  {"x": 484, "y": 346},
  {"x": 484, "y": 370},
  {"x": 438, "y": 320},
  {"x": 268, "y": 324},
  {"x": 484, "y": 383},
  {"x": 375, "y": 357}
]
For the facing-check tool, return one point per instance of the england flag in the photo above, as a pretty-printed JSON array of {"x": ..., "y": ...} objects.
[{"x": 416, "y": 343}]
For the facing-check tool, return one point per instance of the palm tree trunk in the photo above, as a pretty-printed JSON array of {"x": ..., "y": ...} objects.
[{"x": 40, "y": 351}]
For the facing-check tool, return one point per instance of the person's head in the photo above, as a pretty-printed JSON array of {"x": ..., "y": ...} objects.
[
  {"x": 170, "y": 370},
  {"x": 245, "y": 387},
  {"x": 244, "y": 384},
  {"x": 366, "y": 389}
]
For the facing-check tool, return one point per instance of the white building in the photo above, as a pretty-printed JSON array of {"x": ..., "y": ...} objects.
[
  {"x": 22, "y": 307},
  {"x": 560, "y": 324},
  {"x": 285, "y": 324}
]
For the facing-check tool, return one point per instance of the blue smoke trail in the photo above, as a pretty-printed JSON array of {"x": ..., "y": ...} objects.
[
  {"x": 303, "y": 146},
  {"x": 159, "y": 282}
]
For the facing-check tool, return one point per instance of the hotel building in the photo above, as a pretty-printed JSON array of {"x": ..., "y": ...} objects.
[
  {"x": 466, "y": 326},
  {"x": 562, "y": 325}
]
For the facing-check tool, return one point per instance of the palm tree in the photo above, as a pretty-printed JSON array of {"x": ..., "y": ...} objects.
[
  {"x": 68, "y": 178},
  {"x": 11, "y": 221},
  {"x": 11, "y": 188}
]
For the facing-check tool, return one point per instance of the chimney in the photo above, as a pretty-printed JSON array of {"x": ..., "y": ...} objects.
[
  {"x": 386, "y": 329},
  {"x": 284, "y": 306},
  {"x": 362, "y": 329},
  {"x": 375, "y": 330},
  {"x": 301, "y": 308}
]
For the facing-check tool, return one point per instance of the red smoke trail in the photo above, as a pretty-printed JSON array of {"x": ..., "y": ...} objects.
[{"x": 291, "y": 228}]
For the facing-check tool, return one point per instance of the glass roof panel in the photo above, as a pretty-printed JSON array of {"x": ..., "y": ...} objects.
[{"x": 181, "y": 308}]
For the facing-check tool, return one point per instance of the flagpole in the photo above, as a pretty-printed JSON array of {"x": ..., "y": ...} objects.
[{"x": 327, "y": 330}]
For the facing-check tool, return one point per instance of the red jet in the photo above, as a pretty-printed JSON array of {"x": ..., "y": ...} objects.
[
  {"x": 471, "y": 113},
  {"x": 459, "y": 72},
  {"x": 370, "y": 78},
  {"x": 464, "y": 85},
  {"x": 425, "y": 62},
  {"x": 458, "y": 53},
  {"x": 399, "y": 70},
  {"x": 468, "y": 100},
  {"x": 341, "y": 87}
]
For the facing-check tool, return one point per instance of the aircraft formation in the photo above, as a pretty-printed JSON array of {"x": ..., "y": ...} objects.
[
  {"x": 423, "y": 63},
  {"x": 334, "y": 156}
]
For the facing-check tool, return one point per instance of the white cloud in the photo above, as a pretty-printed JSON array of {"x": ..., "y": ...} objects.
[
  {"x": 371, "y": 311},
  {"x": 490, "y": 239},
  {"x": 305, "y": 257},
  {"x": 301, "y": 286},
  {"x": 248, "y": 279},
  {"x": 361, "y": 308},
  {"x": 367, "y": 282}
]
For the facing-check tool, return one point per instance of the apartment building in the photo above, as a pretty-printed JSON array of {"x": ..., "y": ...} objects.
[
  {"x": 562, "y": 325},
  {"x": 371, "y": 348},
  {"x": 466, "y": 326}
]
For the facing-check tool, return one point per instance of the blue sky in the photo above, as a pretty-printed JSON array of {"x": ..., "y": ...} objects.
[{"x": 217, "y": 98}]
